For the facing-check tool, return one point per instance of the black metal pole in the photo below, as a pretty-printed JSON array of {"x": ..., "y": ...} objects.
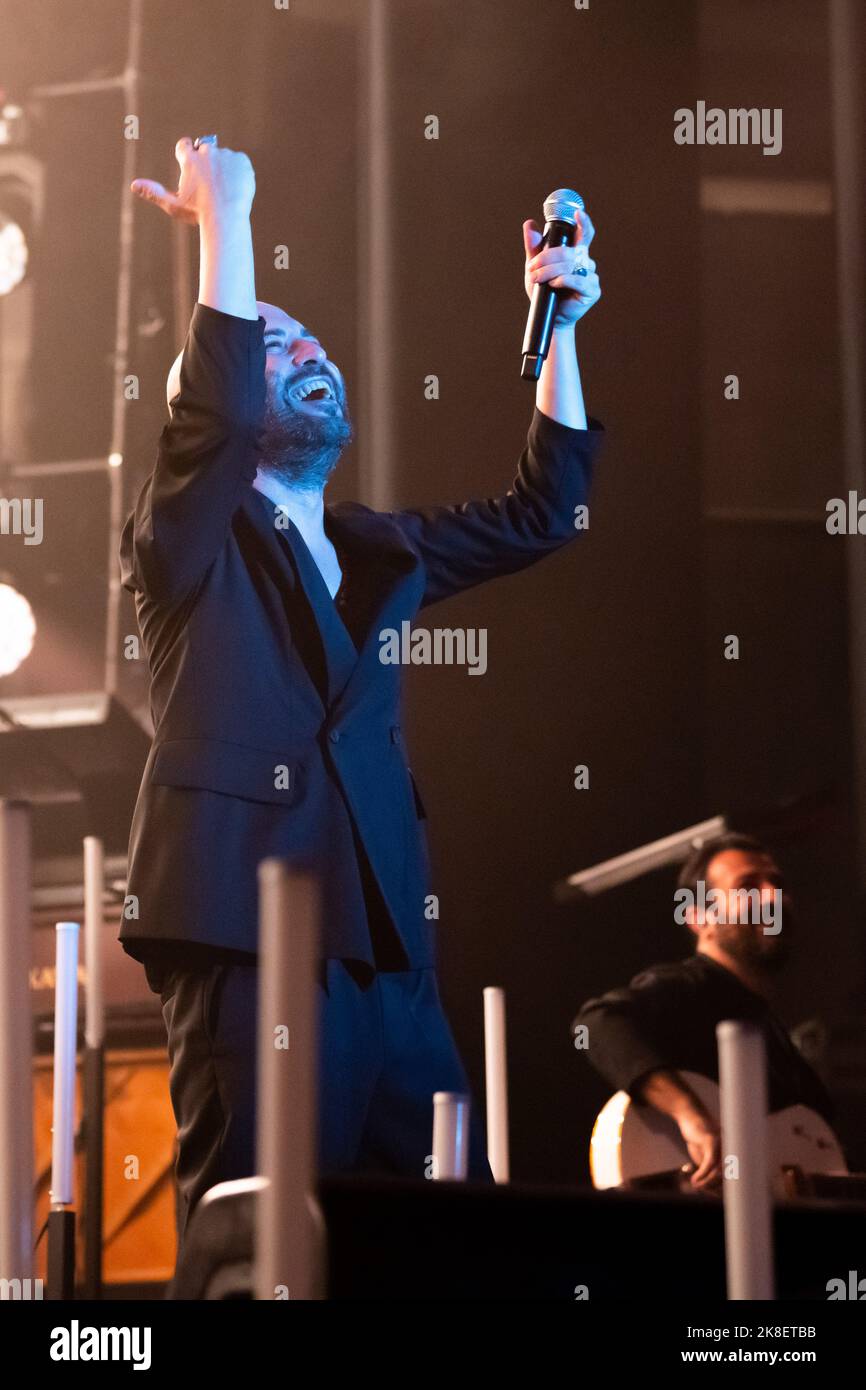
[
  {"x": 94, "y": 1104},
  {"x": 61, "y": 1254},
  {"x": 846, "y": 84}
]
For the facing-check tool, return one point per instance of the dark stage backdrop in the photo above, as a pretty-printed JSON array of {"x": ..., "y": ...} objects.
[
  {"x": 605, "y": 655},
  {"x": 587, "y": 652}
]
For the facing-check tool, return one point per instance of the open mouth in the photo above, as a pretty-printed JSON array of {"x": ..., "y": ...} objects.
[{"x": 314, "y": 390}]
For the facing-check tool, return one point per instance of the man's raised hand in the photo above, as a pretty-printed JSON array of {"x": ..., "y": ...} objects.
[
  {"x": 568, "y": 269},
  {"x": 214, "y": 184}
]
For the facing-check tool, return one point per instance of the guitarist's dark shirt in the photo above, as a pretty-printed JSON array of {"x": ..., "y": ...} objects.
[{"x": 666, "y": 1019}]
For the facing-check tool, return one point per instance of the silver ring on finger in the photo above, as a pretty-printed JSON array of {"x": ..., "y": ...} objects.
[{"x": 204, "y": 140}]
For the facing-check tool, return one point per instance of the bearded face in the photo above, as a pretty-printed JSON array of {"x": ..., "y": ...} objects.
[
  {"x": 306, "y": 426},
  {"x": 749, "y": 943},
  {"x": 306, "y": 423},
  {"x": 758, "y": 922}
]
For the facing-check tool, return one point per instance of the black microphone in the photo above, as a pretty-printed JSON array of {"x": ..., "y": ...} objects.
[{"x": 560, "y": 229}]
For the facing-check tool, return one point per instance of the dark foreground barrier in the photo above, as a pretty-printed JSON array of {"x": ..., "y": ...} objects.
[{"x": 414, "y": 1240}]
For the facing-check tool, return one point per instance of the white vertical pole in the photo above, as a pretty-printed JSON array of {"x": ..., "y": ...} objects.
[
  {"x": 745, "y": 1157},
  {"x": 289, "y": 1238},
  {"x": 65, "y": 1059},
  {"x": 450, "y": 1136},
  {"x": 376, "y": 264},
  {"x": 16, "y": 1046},
  {"x": 94, "y": 872},
  {"x": 496, "y": 1082}
]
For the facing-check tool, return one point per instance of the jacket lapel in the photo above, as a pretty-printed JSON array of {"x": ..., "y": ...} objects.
[
  {"x": 388, "y": 574},
  {"x": 384, "y": 575},
  {"x": 290, "y": 566},
  {"x": 339, "y": 649}
]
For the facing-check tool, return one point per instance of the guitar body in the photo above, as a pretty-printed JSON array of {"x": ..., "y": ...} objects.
[{"x": 633, "y": 1143}]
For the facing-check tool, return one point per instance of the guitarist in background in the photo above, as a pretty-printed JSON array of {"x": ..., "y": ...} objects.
[{"x": 664, "y": 1022}]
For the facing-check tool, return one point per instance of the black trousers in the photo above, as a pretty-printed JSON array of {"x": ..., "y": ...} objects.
[{"x": 385, "y": 1046}]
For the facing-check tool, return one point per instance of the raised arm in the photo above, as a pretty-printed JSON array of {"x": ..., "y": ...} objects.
[
  {"x": 571, "y": 271},
  {"x": 471, "y": 542},
  {"x": 206, "y": 453}
]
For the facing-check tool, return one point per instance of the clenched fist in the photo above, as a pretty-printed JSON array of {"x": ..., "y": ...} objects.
[{"x": 214, "y": 184}]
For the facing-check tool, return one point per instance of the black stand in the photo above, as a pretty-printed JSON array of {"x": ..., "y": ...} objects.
[
  {"x": 61, "y": 1255},
  {"x": 94, "y": 1102}
]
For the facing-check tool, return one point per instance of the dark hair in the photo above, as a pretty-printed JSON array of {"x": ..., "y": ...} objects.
[{"x": 695, "y": 868}]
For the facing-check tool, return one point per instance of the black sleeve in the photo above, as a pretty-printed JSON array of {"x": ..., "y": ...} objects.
[
  {"x": 625, "y": 1028},
  {"x": 470, "y": 542},
  {"x": 206, "y": 456}
]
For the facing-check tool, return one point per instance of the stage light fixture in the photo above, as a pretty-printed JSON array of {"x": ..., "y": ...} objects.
[
  {"x": 17, "y": 629},
  {"x": 14, "y": 254},
  {"x": 22, "y": 179}
]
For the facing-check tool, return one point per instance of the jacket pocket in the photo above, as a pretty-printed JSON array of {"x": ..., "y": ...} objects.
[
  {"x": 419, "y": 804},
  {"x": 397, "y": 738},
  {"x": 210, "y": 1001},
  {"x": 255, "y": 774}
]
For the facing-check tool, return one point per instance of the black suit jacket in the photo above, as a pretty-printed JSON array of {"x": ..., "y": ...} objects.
[{"x": 273, "y": 734}]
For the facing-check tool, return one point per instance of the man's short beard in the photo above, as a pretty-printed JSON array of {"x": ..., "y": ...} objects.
[
  {"x": 299, "y": 448},
  {"x": 768, "y": 956}
]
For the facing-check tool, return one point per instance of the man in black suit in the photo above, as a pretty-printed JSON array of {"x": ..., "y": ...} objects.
[{"x": 277, "y": 725}]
